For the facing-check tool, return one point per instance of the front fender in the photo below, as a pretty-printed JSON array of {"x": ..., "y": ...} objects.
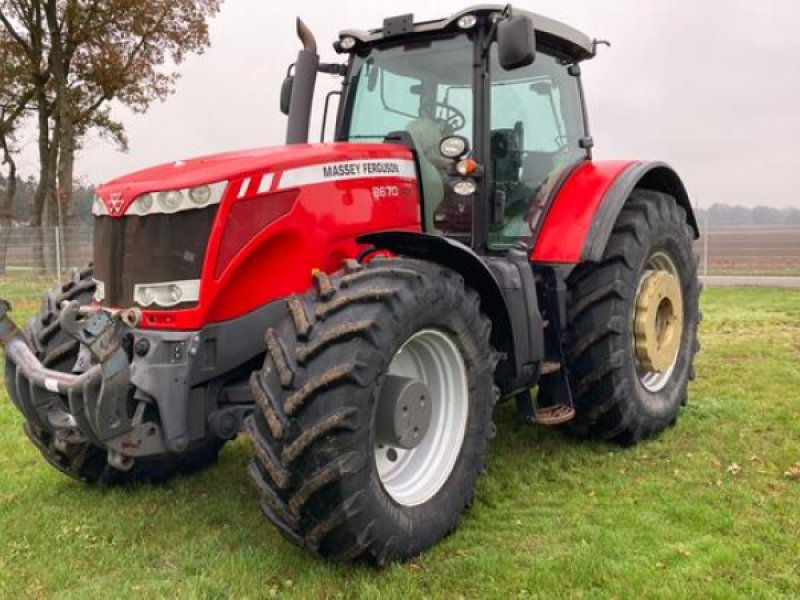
[
  {"x": 476, "y": 274},
  {"x": 581, "y": 217}
]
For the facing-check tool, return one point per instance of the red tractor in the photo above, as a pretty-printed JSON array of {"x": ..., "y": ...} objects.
[{"x": 359, "y": 307}]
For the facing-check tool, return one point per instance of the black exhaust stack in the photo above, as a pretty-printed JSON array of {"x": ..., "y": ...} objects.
[{"x": 305, "y": 77}]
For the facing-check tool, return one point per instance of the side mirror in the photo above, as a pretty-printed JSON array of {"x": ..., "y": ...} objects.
[
  {"x": 516, "y": 42},
  {"x": 286, "y": 93}
]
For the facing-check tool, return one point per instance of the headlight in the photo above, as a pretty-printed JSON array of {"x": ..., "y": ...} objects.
[
  {"x": 166, "y": 294},
  {"x": 145, "y": 296},
  {"x": 142, "y": 205},
  {"x": 467, "y": 21},
  {"x": 172, "y": 201},
  {"x": 465, "y": 188},
  {"x": 454, "y": 147},
  {"x": 200, "y": 195}
]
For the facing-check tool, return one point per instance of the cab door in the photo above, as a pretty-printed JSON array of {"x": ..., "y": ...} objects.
[{"x": 536, "y": 130}]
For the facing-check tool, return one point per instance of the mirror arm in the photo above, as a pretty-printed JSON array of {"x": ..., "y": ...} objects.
[
  {"x": 493, "y": 31},
  {"x": 333, "y": 68}
]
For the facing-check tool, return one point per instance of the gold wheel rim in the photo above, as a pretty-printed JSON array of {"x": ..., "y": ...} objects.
[{"x": 658, "y": 321}]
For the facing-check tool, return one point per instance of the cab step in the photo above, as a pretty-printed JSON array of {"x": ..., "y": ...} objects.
[
  {"x": 549, "y": 367},
  {"x": 558, "y": 407},
  {"x": 553, "y": 415}
]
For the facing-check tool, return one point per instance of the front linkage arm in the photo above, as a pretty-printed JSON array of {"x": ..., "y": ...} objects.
[
  {"x": 20, "y": 354},
  {"x": 77, "y": 407},
  {"x": 103, "y": 408}
]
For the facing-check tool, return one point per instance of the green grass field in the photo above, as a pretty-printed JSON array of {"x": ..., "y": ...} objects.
[{"x": 711, "y": 509}]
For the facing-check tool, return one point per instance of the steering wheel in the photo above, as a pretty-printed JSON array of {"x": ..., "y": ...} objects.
[{"x": 456, "y": 119}]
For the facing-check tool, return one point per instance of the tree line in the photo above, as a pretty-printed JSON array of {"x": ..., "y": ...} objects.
[
  {"x": 25, "y": 192},
  {"x": 734, "y": 215},
  {"x": 62, "y": 62}
]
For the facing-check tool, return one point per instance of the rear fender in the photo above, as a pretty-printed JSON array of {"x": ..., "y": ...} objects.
[{"x": 580, "y": 219}]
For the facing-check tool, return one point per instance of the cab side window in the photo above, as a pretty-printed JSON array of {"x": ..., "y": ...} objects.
[{"x": 536, "y": 127}]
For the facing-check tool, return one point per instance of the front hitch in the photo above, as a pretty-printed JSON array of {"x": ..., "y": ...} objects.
[
  {"x": 89, "y": 406},
  {"x": 20, "y": 354},
  {"x": 103, "y": 407}
]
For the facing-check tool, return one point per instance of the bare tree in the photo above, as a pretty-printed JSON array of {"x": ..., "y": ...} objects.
[
  {"x": 7, "y": 198},
  {"x": 14, "y": 97},
  {"x": 78, "y": 55}
]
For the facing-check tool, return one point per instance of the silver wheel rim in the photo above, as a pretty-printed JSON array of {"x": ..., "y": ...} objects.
[
  {"x": 415, "y": 476},
  {"x": 653, "y": 381}
]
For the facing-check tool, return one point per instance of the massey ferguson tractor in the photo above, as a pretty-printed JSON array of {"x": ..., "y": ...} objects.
[{"x": 358, "y": 308}]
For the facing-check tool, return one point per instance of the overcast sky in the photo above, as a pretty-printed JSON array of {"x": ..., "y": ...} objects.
[{"x": 710, "y": 86}]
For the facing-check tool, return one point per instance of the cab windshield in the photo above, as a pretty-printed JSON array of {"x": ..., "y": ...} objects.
[{"x": 423, "y": 88}]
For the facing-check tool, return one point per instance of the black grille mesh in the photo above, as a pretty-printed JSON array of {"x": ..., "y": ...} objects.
[{"x": 133, "y": 250}]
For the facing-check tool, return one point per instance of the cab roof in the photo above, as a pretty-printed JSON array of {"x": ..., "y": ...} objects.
[{"x": 550, "y": 32}]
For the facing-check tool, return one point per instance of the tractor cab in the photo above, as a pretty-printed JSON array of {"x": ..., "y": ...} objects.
[{"x": 489, "y": 100}]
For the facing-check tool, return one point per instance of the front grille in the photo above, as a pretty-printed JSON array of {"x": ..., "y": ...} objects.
[{"x": 160, "y": 247}]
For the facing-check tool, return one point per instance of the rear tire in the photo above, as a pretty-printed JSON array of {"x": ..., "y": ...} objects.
[
  {"x": 616, "y": 397},
  {"x": 321, "y": 475},
  {"x": 87, "y": 462}
]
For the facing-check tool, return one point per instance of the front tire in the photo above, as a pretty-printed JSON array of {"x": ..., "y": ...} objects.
[
  {"x": 327, "y": 477},
  {"x": 628, "y": 387}
]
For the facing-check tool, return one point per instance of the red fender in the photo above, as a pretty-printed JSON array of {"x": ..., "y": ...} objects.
[{"x": 582, "y": 214}]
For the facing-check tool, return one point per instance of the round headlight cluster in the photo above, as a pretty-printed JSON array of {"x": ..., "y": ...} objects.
[
  {"x": 166, "y": 294},
  {"x": 347, "y": 43},
  {"x": 163, "y": 295},
  {"x": 171, "y": 201}
]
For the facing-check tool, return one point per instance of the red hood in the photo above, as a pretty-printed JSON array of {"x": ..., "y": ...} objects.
[{"x": 229, "y": 165}]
